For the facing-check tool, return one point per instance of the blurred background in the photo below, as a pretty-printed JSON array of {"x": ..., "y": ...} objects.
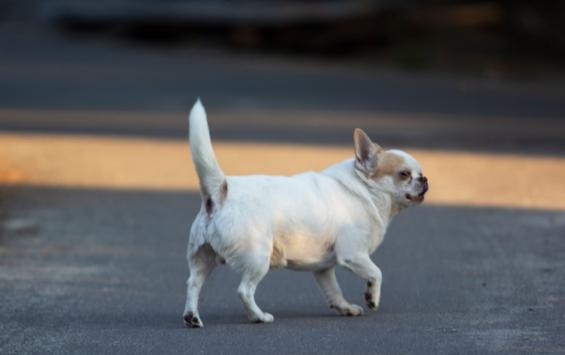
[
  {"x": 96, "y": 181},
  {"x": 471, "y": 75}
]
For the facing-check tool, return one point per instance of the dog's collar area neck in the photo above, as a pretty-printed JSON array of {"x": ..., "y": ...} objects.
[
  {"x": 378, "y": 196},
  {"x": 378, "y": 193},
  {"x": 367, "y": 180}
]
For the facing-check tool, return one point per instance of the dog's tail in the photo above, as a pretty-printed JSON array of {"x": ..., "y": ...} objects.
[{"x": 210, "y": 174}]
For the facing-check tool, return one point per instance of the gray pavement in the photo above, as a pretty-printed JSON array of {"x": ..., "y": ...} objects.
[{"x": 103, "y": 271}]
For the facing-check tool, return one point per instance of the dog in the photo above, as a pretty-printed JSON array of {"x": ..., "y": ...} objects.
[{"x": 310, "y": 221}]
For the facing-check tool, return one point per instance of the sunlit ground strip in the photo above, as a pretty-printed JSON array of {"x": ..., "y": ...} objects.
[{"x": 112, "y": 162}]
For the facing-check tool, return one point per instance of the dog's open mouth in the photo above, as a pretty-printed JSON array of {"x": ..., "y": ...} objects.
[{"x": 418, "y": 198}]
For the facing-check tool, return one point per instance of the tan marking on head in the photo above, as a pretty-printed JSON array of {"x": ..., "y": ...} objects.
[
  {"x": 389, "y": 163},
  {"x": 378, "y": 149}
]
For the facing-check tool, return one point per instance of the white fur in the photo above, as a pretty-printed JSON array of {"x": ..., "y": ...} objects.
[
  {"x": 209, "y": 172},
  {"x": 311, "y": 221}
]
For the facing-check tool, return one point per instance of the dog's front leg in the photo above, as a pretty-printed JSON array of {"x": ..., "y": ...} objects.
[
  {"x": 328, "y": 284},
  {"x": 363, "y": 266}
]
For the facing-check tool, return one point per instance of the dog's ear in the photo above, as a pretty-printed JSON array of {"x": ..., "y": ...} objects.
[{"x": 366, "y": 152}]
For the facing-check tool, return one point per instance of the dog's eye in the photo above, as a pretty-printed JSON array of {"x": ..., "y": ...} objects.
[{"x": 405, "y": 174}]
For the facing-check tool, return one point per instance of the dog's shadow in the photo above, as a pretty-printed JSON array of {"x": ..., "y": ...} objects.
[
  {"x": 282, "y": 317},
  {"x": 241, "y": 318},
  {"x": 173, "y": 320}
]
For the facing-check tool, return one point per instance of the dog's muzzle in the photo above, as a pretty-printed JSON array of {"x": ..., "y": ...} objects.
[{"x": 424, "y": 183}]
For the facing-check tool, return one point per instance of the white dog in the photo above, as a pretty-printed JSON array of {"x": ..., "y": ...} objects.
[{"x": 311, "y": 221}]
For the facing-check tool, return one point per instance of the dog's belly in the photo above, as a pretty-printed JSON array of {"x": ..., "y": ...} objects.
[
  {"x": 302, "y": 253},
  {"x": 325, "y": 262}
]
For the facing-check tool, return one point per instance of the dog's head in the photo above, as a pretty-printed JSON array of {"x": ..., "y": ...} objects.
[{"x": 391, "y": 171}]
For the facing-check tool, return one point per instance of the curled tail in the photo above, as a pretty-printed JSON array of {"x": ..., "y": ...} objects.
[{"x": 211, "y": 176}]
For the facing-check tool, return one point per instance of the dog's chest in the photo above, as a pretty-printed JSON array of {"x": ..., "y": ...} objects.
[{"x": 375, "y": 239}]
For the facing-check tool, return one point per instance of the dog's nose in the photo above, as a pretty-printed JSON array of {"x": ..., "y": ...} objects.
[{"x": 424, "y": 182}]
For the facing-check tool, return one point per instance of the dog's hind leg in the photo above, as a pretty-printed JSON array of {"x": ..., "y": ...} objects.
[
  {"x": 200, "y": 263},
  {"x": 252, "y": 275},
  {"x": 328, "y": 284}
]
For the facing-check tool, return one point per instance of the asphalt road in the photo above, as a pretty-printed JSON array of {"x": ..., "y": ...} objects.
[{"x": 103, "y": 270}]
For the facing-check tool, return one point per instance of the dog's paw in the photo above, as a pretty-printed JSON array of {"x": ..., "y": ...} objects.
[
  {"x": 264, "y": 318},
  {"x": 349, "y": 310},
  {"x": 372, "y": 303},
  {"x": 192, "y": 321},
  {"x": 355, "y": 310}
]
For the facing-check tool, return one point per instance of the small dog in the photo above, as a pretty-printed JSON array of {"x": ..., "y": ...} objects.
[{"x": 311, "y": 221}]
